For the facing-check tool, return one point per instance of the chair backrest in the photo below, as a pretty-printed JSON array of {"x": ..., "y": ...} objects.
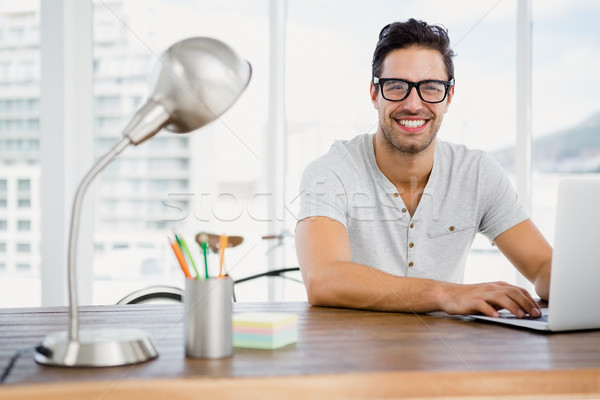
[
  {"x": 164, "y": 294},
  {"x": 154, "y": 294}
]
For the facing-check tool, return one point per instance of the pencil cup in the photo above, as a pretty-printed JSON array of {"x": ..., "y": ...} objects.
[{"x": 207, "y": 318}]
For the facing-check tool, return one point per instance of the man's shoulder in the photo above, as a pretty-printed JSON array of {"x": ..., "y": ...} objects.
[
  {"x": 354, "y": 147},
  {"x": 343, "y": 153},
  {"x": 455, "y": 154},
  {"x": 459, "y": 149}
]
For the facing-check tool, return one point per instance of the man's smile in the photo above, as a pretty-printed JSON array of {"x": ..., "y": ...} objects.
[{"x": 412, "y": 123}]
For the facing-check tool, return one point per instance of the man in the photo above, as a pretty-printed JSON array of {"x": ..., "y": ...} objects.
[{"x": 387, "y": 220}]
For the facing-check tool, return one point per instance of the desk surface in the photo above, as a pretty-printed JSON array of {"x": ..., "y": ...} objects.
[{"x": 349, "y": 345}]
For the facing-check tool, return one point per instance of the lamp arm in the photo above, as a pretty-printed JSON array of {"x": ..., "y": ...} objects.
[
  {"x": 147, "y": 122},
  {"x": 73, "y": 234}
]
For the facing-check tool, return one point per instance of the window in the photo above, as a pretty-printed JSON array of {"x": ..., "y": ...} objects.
[
  {"x": 570, "y": 146},
  {"x": 33, "y": 125},
  {"x": 108, "y": 123},
  {"x": 3, "y": 192},
  {"x": 33, "y": 104},
  {"x": 27, "y": 71},
  {"x": 16, "y": 33},
  {"x": 24, "y": 185},
  {"x": 23, "y": 267},
  {"x": 24, "y": 203},
  {"x": 23, "y": 248},
  {"x": 107, "y": 102},
  {"x": 232, "y": 152},
  {"x": 4, "y": 71},
  {"x": 24, "y": 225}
]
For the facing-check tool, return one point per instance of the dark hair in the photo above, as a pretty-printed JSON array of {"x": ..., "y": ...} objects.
[{"x": 401, "y": 35}]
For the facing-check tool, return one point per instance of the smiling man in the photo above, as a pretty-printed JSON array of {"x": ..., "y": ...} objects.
[{"x": 387, "y": 220}]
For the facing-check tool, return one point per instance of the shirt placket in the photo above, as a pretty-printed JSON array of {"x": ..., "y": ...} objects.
[
  {"x": 411, "y": 247},
  {"x": 410, "y": 235}
]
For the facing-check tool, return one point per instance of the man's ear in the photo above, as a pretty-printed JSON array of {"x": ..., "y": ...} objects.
[
  {"x": 450, "y": 96},
  {"x": 374, "y": 94}
]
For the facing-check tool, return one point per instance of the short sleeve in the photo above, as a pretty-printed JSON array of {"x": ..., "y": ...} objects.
[
  {"x": 322, "y": 193},
  {"x": 501, "y": 206}
]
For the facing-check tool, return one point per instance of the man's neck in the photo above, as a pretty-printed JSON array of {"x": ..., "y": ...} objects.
[{"x": 409, "y": 172}]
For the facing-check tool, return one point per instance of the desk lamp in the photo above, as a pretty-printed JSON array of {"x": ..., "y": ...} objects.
[{"x": 196, "y": 81}]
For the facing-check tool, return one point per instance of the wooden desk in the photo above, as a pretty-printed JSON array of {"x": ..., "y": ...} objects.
[{"x": 339, "y": 354}]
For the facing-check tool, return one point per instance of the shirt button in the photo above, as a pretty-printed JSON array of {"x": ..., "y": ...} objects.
[
  {"x": 396, "y": 195},
  {"x": 451, "y": 229},
  {"x": 410, "y": 264},
  {"x": 412, "y": 225},
  {"x": 404, "y": 210},
  {"x": 411, "y": 245}
]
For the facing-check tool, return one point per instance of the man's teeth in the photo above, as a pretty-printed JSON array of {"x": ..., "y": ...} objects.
[{"x": 412, "y": 123}]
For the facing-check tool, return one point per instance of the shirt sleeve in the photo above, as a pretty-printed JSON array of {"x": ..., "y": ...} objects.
[
  {"x": 502, "y": 208},
  {"x": 322, "y": 193}
]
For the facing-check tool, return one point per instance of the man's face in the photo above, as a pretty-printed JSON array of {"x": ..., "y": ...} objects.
[{"x": 411, "y": 125}]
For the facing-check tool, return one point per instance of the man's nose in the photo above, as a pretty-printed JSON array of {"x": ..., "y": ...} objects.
[{"x": 413, "y": 102}]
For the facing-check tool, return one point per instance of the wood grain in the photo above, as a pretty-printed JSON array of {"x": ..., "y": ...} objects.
[
  {"x": 522, "y": 385},
  {"x": 336, "y": 345}
]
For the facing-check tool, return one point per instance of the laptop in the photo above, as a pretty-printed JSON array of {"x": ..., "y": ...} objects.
[{"x": 574, "y": 301}]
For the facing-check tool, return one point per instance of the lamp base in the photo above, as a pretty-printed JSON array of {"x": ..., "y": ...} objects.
[{"x": 96, "y": 348}]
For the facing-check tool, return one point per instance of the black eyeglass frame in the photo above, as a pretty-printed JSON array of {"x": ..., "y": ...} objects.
[{"x": 416, "y": 85}]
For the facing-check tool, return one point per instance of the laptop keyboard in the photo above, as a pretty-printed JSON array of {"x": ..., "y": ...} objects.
[{"x": 508, "y": 315}]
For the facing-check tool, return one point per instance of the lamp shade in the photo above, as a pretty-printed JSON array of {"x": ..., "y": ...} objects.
[{"x": 196, "y": 81}]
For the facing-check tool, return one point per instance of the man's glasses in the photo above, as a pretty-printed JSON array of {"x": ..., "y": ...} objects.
[{"x": 430, "y": 91}]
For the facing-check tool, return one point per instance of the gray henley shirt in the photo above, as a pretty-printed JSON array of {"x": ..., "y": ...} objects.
[{"x": 467, "y": 192}]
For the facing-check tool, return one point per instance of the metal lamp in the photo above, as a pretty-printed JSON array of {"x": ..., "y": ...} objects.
[{"x": 198, "y": 79}]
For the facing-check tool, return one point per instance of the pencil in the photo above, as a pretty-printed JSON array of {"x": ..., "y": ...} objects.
[
  {"x": 180, "y": 258},
  {"x": 223, "y": 242},
  {"x": 205, "y": 251},
  {"x": 204, "y": 244},
  {"x": 186, "y": 251}
]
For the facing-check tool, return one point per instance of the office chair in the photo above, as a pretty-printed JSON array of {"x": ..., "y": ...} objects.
[
  {"x": 168, "y": 294},
  {"x": 154, "y": 294}
]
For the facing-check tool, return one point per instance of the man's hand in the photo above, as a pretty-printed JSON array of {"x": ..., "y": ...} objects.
[{"x": 487, "y": 298}]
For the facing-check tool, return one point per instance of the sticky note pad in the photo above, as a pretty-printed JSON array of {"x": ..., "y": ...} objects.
[{"x": 264, "y": 330}]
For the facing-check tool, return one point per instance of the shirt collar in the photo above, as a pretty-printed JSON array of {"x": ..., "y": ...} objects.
[{"x": 432, "y": 183}]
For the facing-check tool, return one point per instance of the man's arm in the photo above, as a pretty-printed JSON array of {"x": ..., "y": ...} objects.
[
  {"x": 331, "y": 279},
  {"x": 527, "y": 249}
]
